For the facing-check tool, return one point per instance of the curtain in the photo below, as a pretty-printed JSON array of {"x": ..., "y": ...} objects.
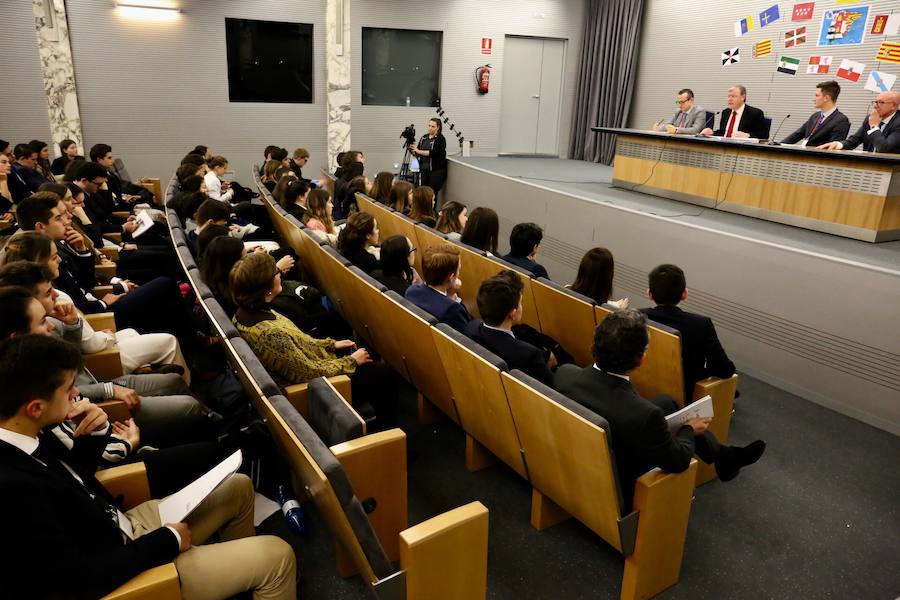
[{"x": 609, "y": 60}]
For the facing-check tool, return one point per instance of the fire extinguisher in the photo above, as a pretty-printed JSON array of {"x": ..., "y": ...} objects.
[{"x": 483, "y": 78}]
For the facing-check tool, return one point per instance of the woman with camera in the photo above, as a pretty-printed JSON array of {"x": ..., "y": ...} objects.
[{"x": 432, "y": 153}]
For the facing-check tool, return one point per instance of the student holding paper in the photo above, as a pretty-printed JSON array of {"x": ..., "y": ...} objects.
[
  {"x": 641, "y": 439},
  {"x": 69, "y": 538}
]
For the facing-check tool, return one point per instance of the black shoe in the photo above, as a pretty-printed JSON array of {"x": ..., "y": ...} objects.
[{"x": 732, "y": 459}]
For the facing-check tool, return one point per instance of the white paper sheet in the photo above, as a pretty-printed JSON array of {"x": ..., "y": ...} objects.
[
  {"x": 176, "y": 507},
  {"x": 696, "y": 410}
]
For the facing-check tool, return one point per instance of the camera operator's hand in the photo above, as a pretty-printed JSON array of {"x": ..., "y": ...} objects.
[{"x": 413, "y": 148}]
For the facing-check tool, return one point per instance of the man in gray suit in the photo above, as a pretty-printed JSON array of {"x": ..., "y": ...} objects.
[{"x": 689, "y": 118}]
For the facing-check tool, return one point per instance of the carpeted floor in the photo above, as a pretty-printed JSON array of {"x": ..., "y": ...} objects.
[{"x": 818, "y": 517}]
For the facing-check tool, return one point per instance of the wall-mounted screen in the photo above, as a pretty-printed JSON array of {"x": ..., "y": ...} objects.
[{"x": 401, "y": 64}]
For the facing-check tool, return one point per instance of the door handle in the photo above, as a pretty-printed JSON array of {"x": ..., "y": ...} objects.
[{"x": 535, "y": 96}]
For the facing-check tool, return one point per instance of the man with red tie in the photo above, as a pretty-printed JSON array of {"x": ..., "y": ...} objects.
[
  {"x": 827, "y": 124},
  {"x": 740, "y": 120}
]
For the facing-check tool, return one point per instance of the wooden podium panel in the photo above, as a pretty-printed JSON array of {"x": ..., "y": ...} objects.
[{"x": 851, "y": 194}]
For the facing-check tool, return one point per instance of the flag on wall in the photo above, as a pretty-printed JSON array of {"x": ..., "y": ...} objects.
[
  {"x": 891, "y": 25},
  {"x": 769, "y": 16},
  {"x": 878, "y": 24},
  {"x": 743, "y": 26},
  {"x": 763, "y": 48},
  {"x": 850, "y": 70},
  {"x": 818, "y": 64},
  {"x": 889, "y": 52},
  {"x": 880, "y": 82},
  {"x": 803, "y": 11},
  {"x": 795, "y": 37},
  {"x": 729, "y": 57},
  {"x": 788, "y": 65}
]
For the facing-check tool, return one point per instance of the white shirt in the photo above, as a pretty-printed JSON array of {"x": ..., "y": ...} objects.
[
  {"x": 214, "y": 187},
  {"x": 625, "y": 377},
  {"x": 883, "y": 123},
  {"x": 511, "y": 334}
]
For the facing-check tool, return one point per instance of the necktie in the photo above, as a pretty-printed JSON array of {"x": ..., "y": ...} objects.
[
  {"x": 818, "y": 124},
  {"x": 681, "y": 119},
  {"x": 730, "y": 125}
]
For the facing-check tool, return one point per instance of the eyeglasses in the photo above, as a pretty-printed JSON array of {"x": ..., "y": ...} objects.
[
  {"x": 682, "y": 101},
  {"x": 411, "y": 250},
  {"x": 881, "y": 102}
]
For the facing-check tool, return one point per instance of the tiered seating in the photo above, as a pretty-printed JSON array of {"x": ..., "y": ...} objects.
[
  {"x": 518, "y": 421},
  {"x": 358, "y": 483}
]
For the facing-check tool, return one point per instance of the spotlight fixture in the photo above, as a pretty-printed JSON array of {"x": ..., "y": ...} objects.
[{"x": 144, "y": 12}]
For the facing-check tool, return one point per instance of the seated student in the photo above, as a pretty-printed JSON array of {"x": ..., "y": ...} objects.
[
  {"x": 342, "y": 199},
  {"x": 218, "y": 189},
  {"x": 298, "y": 160},
  {"x": 500, "y": 304},
  {"x": 482, "y": 230},
  {"x": 292, "y": 356},
  {"x": 345, "y": 159},
  {"x": 190, "y": 169},
  {"x": 267, "y": 154},
  {"x": 219, "y": 256},
  {"x": 125, "y": 193},
  {"x": 294, "y": 198},
  {"x": 595, "y": 277},
  {"x": 63, "y": 514},
  {"x": 640, "y": 436},
  {"x": 281, "y": 184},
  {"x": 401, "y": 197},
  {"x": 43, "y": 161},
  {"x": 357, "y": 185},
  {"x": 422, "y": 209},
  {"x": 24, "y": 179},
  {"x": 210, "y": 212},
  {"x": 397, "y": 260},
  {"x": 91, "y": 236},
  {"x": 135, "y": 350},
  {"x": 452, "y": 219},
  {"x": 524, "y": 242},
  {"x": 339, "y": 159},
  {"x": 381, "y": 187},
  {"x": 6, "y": 203},
  {"x": 69, "y": 151},
  {"x": 272, "y": 171},
  {"x": 438, "y": 293},
  {"x": 702, "y": 355},
  {"x": 318, "y": 214},
  {"x": 358, "y": 235}
]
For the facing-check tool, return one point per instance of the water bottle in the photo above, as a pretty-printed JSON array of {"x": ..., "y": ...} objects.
[
  {"x": 292, "y": 510},
  {"x": 407, "y": 101}
]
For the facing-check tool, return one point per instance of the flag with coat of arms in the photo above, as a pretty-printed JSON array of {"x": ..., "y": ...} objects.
[
  {"x": 744, "y": 26},
  {"x": 788, "y": 65},
  {"x": 818, "y": 64},
  {"x": 879, "y": 82},
  {"x": 850, "y": 70},
  {"x": 889, "y": 52}
]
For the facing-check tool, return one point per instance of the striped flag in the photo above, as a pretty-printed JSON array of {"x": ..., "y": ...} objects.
[
  {"x": 818, "y": 64},
  {"x": 795, "y": 37},
  {"x": 889, "y": 52},
  {"x": 763, "y": 48},
  {"x": 743, "y": 26},
  {"x": 788, "y": 65},
  {"x": 850, "y": 70}
]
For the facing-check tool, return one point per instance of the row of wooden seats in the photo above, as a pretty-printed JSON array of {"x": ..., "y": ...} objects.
[
  {"x": 554, "y": 443},
  {"x": 357, "y": 481},
  {"x": 571, "y": 318}
]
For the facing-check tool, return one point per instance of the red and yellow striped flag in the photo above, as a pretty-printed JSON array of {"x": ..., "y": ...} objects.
[
  {"x": 889, "y": 52},
  {"x": 763, "y": 48}
]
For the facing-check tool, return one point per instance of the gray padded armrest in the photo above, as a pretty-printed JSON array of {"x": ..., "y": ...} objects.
[
  {"x": 330, "y": 416},
  {"x": 582, "y": 411},
  {"x": 368, "y": 279},
  {"x": 473, "y": 346},
  {"x": 186, "y": 257},
  {"x": 330, "y": 250},
  {"x": 221, "y": 318},
  {"x": 343, "y": 490},
  {"x": 246, "y": 355}
]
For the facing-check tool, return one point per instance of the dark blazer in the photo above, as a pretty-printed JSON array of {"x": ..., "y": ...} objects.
[
  {"x": 296, "y": 211},
  {"x": 886, "y": 140},
  {"x": 23, "y": 182},
  {"x": 753, "y": 122},
  {"x": 516, "y": 353},
  {"x": 640, "y": 436},
  {"x": 833, "y": 129},
  {"x": 527, "y": 264},
  {"x": 702, "y": 355},
  {"x": 362, "y": 259},
  {"x": 62, "y": 542},
  {"x": 396, "y": 283},
  {"x": 444, "y": 309}
]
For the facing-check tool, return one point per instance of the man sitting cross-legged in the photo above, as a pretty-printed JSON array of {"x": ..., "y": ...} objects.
[
  {"x": 70, "y": 539},
  {"x": 640, "y": 435},
  {"x": 500, "y": 304}
]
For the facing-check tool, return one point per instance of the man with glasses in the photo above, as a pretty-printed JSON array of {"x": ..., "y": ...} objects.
[
  {"x": 827, "y": 124},
  {"x": 880, "y": 132},
  {"x": 740, "y": 120},
  {"x": 24, "y": 179},
  {"x": 688, "y": 119}
]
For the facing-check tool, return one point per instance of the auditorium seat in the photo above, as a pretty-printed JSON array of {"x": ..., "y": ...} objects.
[
  {"x": 107, "y": 363},
  {"x": 332, "y": 417},
  {"x": 566, "y": 316}
]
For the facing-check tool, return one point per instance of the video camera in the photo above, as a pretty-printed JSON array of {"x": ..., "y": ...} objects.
[{"x": 409, "y": 134}]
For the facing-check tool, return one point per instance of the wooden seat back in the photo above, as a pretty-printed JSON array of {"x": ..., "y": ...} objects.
[
  {"x": 390, "y": 223},
  {"x": 567, "y": 317},
  {"x": 474, "y": 377}
]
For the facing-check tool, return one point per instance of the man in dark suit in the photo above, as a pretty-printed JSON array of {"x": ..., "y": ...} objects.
[
  {"x": 524, "y": 242},
  {"x": 500, "y": 304},
  {"x": 828, "y": 124},
  {"x": 641, "y": 439},
  {"x": 70, "y": 538},
  {"x": 24, "y": 179},
  {"x": 702, "y": 355},
  {"x": 740, "y": 120},
  {"x": 438, "y": 294},
  {"x": 880, "y": 132}
]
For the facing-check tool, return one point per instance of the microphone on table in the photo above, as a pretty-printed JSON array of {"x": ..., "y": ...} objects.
[
  {"x": 715, "y": 114},
  {"x": 772, "y": 141}
]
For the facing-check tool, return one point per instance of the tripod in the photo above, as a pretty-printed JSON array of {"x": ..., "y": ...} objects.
[{"x": 405, "y": 173}]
